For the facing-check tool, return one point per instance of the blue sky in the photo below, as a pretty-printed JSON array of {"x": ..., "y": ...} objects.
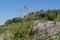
[{"x": 12, "y": 8}]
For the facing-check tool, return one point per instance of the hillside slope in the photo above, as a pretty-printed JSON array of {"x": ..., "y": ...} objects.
[{"x": 22, "y": 29}]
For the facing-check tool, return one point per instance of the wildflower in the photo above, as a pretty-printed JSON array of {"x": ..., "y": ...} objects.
[
  {"x": 28, "y": 15},
  {"x": 25, "y": 7}
]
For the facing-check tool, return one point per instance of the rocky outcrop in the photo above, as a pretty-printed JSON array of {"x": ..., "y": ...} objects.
[{"x": 46, "y": 28}]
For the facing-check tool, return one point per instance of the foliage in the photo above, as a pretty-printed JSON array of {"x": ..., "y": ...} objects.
[
  {"x": 21, "y": 31},
  {"x": 14, "y": 20},
  {"x": 37, "y": 15}
]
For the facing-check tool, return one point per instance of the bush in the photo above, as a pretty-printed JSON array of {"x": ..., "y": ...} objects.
[{"x": 21, "y": 31}]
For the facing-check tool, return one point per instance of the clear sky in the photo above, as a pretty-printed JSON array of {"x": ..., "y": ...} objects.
[{"x": 12, "y": 8}]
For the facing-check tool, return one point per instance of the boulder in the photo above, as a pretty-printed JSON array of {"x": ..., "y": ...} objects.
[{"x": 45, "y": 28}]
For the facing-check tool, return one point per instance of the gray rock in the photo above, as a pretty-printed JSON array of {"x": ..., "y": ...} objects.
[{"x": 46, "y": 28}]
